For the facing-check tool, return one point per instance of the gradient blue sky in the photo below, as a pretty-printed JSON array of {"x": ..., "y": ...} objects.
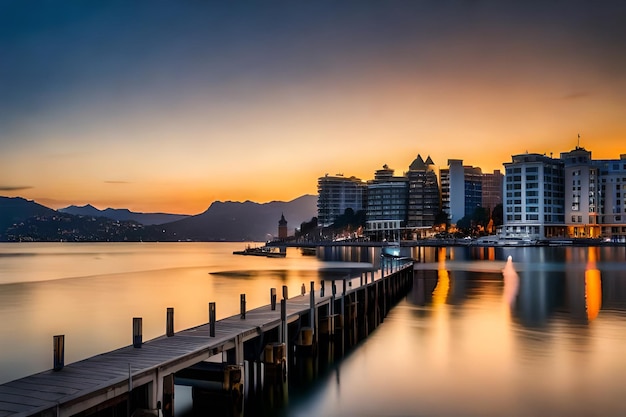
[{"x": 168, "y": 106}]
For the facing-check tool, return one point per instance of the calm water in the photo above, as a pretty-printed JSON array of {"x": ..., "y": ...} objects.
[{"x": 544, "y": 337}]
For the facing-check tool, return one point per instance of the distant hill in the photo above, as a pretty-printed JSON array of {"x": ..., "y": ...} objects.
[
  {"x": 146, "y": 219},
  {"x": 16, "y": 210},
  {"x": 23, "y": 220},
  {"x": 247, "y": 221}
]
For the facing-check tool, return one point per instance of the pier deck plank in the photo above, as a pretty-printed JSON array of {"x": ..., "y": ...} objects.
[{"x": 46, "y": 390}]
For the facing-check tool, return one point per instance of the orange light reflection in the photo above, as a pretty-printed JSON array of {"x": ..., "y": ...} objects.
[{"x": 593, "y": 286}]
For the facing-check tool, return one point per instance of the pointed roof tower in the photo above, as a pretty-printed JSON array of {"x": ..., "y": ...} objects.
[{"x": 418, "y": 164}]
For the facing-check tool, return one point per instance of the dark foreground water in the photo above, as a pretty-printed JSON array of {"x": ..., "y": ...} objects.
[{"x": 544, "y": 336}]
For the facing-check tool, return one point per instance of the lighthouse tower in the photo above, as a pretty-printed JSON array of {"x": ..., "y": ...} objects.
[{"x": 282, "y": 227}]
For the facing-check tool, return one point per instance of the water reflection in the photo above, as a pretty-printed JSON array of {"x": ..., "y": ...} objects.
[
  {"x": 593, "y": 286},
  {"x": 511, "y": 282},
  {"x": 440, "y": 293}
]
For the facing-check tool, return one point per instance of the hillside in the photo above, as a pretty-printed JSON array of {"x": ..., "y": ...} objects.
[
  {"x": 16, "y": 210},
  {"x": 146, "y": 219},
  {"x": 236, "y": 221},
  {"x": 23, "y": 220}
]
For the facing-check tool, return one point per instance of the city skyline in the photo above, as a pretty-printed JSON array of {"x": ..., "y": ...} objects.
[{"x": 169, "y": 107}]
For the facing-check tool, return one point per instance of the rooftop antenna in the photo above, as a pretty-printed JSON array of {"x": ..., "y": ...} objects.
[{"x": 578, "y": 145}]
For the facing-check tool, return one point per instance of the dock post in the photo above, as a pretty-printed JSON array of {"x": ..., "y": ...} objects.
[
  {"x": 343, "y": 302},
  {"x": 322, "y": 288},
  {"x": 58, "y": 343},
  {"x": 242, "y": 305},
  {"x": 284, "y": 331},
  {"x": 285, "y": 292},
  {"x": 168, "y": 396},
  {"x": 273, "y": 298},
  {"x": 212, "y": 319},
  {"x": 169, "y": 322},
  {"x": 372, "y": 273},
  {"x": 312, "y": 306},
  {"x": 137, "y": 332},
  {"x": 303, "y": 289},
  {"x": 283, "y": 321}
]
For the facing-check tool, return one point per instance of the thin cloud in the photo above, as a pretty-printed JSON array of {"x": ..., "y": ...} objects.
[
  {"x": 18, "y": 188},
  {"x": 577, "y": 95},
  {"x": 117, "y": 182}
]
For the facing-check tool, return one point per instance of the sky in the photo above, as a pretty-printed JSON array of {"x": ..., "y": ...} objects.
[{"x": 169, "y": 106}]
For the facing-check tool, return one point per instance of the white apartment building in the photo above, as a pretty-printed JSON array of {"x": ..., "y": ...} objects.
[{"x": 533, "y": 197}]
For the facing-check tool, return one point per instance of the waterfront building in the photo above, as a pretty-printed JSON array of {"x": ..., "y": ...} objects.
[
  {"x": 492, "y": 189},
  {"x": 336, "y": 194},
  {"x": 612, "y": 202},
  {"x": 424, "y": 198},
  {"x": 282, "y": 227},
  {"x": 533, "y": 203},
  {"x": 595, "y": 199},
  {"x": 464, "y": 188},
  {"x": 387, "y": 200}
]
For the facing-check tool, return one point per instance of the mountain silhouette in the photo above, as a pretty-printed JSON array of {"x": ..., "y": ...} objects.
[
  {"x": 15, "y": 210},
  {"x": 146, "y": 219},
  {"x": 247, "y": 221},
  {"x": 25, "y": 220}
]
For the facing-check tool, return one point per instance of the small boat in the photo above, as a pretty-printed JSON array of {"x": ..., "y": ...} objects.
[{"x": 266, "y": 251}]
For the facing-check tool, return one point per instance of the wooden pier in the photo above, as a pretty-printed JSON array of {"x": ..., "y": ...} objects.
[{"x": 141, "y": 376}]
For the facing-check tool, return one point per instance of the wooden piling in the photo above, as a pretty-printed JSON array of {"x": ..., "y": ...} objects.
[
  {"x": 169, "y": 322},
  {"x": 242, "y": 305},
  {"x": 58, "y": 343},
  {"x": 273, "y": 298},
  {"x": 283, "y": 320},
  {"x": 137, "y": 332},
  {"x": 285, "y": 292},
  {"x": 168, "y": 396},
  {"x": 212, "y": 319}
]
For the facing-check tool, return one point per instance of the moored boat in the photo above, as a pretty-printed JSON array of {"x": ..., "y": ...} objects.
[{"x": 266, "y": 251}]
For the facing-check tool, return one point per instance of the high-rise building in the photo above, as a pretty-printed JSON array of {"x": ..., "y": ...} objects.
[
  {"x": 533, "y": 205},
  {"x": 464, "y": 188},
  {"x": 424, "y": 194},
  {"x": 387, "y": 198},
  {"x": 336, "y": 194}
]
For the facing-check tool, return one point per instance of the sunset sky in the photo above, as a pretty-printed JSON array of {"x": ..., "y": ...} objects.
[{"x": 169, "y": 106}]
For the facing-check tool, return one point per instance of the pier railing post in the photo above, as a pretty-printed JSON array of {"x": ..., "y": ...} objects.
[
  {"x": 321, "y": 288},
  {"x": 137, "y": 332},
  {"x": 273, "y": 298},
  {"x": 169, "y": 322},
  {"x": 242, "y": 305},
  {"x": 58, "y": 343},
  {"x": 285, "y": 292},
  {"x": 212, "y": 319}
]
